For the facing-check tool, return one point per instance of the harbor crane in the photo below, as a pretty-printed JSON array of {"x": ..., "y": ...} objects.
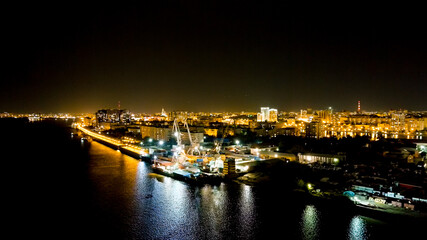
[{"x": 179, "y": 155}]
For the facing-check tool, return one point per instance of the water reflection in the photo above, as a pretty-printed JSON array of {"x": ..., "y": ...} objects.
[
  {"x": 213, "y": 210},
  {"x": 163, "y": 209},
  {"x": 310, "y": 223},
  {"x": 357, "y": 228},
  {"x": 175, "y": 206},
  {"x": 113, "y": 196},
  {"x": 150, "y": 206},
  {"x": 247, "y": 212}
]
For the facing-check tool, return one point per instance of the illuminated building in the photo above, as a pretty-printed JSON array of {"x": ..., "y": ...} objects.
[
  {"x": 325, "y": 115},
  {"x": 180, "y": 115},
  {"x": 259, "y": 117},
  {"x": 321, "y": 158},
  {"x": 398, "y": 120},
  {"x": 276, "y": 155},
  {"x": 272, "y": 115},
  {"x": 157, "y": 133},
  {"x": 314, "y": 129},
  {"x": 286, "y": 131},
  {"x": 263, "y": 115},
  {"x": 229, "y": 166},
  {"x": 120, "y": 116},
  {"x": 135, "y": 129},
  {"x": 195, "y": 137},
  {"x": 267, "y": 114}
]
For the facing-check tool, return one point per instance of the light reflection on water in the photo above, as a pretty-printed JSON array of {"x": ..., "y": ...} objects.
[
  {"x": 213, "y": 209},
  {"x": 151, "y": 206},
  {"x": 109, "y": 195},
  {"x": 173, "y": 209},
  {"x": 310, "y": 223},
  {"x": 357, "y": 228},
  {"x": 247, "y": 214}
]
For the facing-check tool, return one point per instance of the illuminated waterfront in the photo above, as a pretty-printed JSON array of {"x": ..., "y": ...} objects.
[{"x": 88, "y": 189}]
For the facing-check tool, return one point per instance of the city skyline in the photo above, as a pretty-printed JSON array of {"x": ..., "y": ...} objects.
[
  {"x": 214, "y": 119},
  {"x": 357, "y": 109},
  {"x": 213, "y": 58}
]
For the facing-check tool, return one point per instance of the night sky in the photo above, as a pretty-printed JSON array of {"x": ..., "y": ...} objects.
[{"x": 72, "y": 57}]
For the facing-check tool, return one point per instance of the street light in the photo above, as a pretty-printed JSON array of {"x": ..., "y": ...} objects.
[
  {"x": 237, "y": 142},
  {"x": 161, "y": 142}
]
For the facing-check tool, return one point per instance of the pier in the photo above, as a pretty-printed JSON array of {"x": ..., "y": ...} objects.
[{"x": 133, "y": 151}]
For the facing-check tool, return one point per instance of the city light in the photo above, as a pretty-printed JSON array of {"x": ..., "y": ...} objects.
[{"x": 181, "y": 120}]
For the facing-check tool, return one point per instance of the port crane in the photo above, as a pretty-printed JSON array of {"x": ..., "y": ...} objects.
[
  {"x": 179, "y": 155},
  {"x": 218, "y": 144},
  {"x": 194, "y": 146}
]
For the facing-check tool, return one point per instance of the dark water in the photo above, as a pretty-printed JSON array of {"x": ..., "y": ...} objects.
[{"x": 58, "y": 187}]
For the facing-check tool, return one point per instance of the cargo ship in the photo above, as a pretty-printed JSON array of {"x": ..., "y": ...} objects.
[{"x": 185, "y": 172}]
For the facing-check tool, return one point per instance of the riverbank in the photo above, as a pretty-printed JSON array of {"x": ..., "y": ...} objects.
[
  {"x": 130, "y": 150},
  {"x": 288, "y": 176}
]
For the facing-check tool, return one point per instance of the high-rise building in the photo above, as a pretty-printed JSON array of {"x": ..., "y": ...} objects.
[
  {"x": 314, "y": 129},
  {"x": 112, "y": 116},
  {"x": 398, "y": 120},
  {"x": 156, "y": 132},
  {"x": 272, "y": 115},
  {"x": 259, "y": 117},
  {"x": 267, "y": 114},
  {"x": 325, "y": 115}
]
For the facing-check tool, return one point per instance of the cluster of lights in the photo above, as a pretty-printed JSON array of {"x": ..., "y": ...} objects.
[
  {"x": 99, "y": 136},
  {"x": 132, "y": 148},
  {"x": 128, "y": 140}
]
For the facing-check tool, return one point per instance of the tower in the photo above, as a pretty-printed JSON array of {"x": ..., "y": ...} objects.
[
  {"x": 265, "y": 112},
  {"x": 272, "y": 115},
  {"x": 358, "y": 106}
]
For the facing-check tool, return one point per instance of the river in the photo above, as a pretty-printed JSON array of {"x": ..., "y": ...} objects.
[{"x": 58, "y": 187}]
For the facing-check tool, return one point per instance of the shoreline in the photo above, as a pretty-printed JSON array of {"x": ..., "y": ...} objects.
[
  {"x": 333, "y": 200},
  {"x": 261, "y": 178}
]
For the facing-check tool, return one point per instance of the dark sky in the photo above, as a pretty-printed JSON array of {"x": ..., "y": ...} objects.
[{"x": 75, "y": 57}]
